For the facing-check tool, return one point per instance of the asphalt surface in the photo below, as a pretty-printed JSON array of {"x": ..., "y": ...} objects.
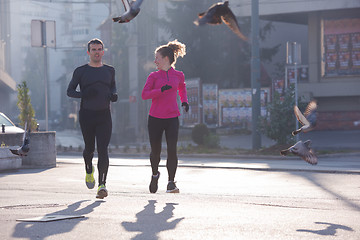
[{"x": 221, "y": 197}]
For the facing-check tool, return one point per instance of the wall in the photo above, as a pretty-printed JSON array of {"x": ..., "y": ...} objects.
[
  {"x": 338, "y": 97},
  {"x": 42, "y": 151}
]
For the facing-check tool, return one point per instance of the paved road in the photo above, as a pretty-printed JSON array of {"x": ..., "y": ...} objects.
[{"x": 219, "y": 199}]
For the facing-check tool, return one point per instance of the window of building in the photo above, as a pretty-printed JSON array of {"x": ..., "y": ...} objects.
[{"x": 341, "y": 47}]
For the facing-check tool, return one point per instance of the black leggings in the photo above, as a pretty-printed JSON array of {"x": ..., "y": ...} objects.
[
  {"x": 156, "y": 127},
  {"x": 96, "y": 124}
]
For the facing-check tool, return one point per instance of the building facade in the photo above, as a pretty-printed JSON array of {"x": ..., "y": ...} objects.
[
  {"x": 7, "y": 83},
  {"x": 76, "y": 23},
  {"x": 333, "y": 55}
]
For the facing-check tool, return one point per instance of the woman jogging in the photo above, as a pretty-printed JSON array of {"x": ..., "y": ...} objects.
[{"x": 162, "y": 87}]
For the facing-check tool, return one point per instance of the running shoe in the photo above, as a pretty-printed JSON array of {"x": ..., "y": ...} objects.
[
  {"x": 101, "y": 192},
  {"x": 153, "y": 187},
  {"x": 90, "y": 180},
  {"x": 171, "y": 187}
]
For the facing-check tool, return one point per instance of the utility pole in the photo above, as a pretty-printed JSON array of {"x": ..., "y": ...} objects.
[
  {"x": 293, "y": 58},
  {"x": 255, "y": 75},
  {"x": 43, "y": 35}
]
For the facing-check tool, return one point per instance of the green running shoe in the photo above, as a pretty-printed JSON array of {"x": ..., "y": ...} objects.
[
  {"x": 102, "y": 192},
  {"x": 90, "y": 180}
]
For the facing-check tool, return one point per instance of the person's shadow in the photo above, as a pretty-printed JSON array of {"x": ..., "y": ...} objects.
[
  {"x": 330, "y": 230},
  {"x": 149, "y": 223},
  {"x": 42, "y": 230}
]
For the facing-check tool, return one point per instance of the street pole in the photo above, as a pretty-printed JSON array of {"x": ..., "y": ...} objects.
[
  {"x": 43, "y": 35},
  {"x": 255, "y": 74},
  {"x": 293, "y": 57},
  {"x": 46, "y": 88},
  {"x": 296, "y": 100},
  {"x": 44, "y": 45}
]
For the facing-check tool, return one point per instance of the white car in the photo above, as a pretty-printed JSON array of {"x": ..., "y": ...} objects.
[{"x": 10, "y": 127}]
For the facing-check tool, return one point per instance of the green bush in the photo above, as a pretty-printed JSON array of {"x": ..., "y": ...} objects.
[
  {"x": 27, "y": 112},
  {"x": 280, "y": 122},
  {"x": 199, "y": 132},
  {"x": 202, "y": 136},
  {"x": 212, "y": 140}
]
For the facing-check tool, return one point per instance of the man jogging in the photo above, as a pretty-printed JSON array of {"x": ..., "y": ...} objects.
[{"x": 97, "y": 89}]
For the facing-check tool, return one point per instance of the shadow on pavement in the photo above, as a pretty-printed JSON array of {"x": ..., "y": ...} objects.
[
  {"x": 312, "y": 179},
  {"x": 23, "y": 171},
  {"x": 149, "y": 223},
  {"x": 43, "y": 230},
  {"x": 330, "y": 230}
]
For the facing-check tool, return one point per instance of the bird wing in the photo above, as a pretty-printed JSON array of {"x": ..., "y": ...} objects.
[
  {"x": 24, "y": 149},
  {"x": 26, "y": 137},
  {"x": 284, "y": 152},
  {"x": 311, "y": 108},
  {"x": 290, "y": 149},
  {"x": 25, "y": 132},
  {"x": 135, "y": 4},
  {"x": 211, "y": 16},
  {"x": 305, "y": 152},
  {"x": 127, "y": 16},
  {"x": 125, "y": 4},
  {"x": 307, "y": 143},
  {"x": 310, "y": 157},
  {"x": 229, "y": 19},
  {"x": 122, "y": 18},
  {"x": 14, "y": 151},
  {"x": 300, "y": 117},
  {"x": 132, "y": 12}
]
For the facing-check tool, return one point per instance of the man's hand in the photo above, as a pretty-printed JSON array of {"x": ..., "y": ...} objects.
[{"x": 113, "y": 97}]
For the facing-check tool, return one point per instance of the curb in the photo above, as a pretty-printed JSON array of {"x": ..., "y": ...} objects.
[
  {"x": 239, "y": 156},
  {"x": 239, "y": 166}
]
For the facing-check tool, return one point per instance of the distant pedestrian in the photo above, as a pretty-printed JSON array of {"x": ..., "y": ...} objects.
[
  {"x": 97, "y": 89},
  {"x": 162, "y": 88}
]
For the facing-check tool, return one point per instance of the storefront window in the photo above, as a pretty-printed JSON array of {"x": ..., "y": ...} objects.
[{"x": 341, "y": 47}]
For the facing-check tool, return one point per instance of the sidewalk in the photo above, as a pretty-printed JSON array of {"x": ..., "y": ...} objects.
[
  {"x": 340, "y": 164},
  {"x": 321, "y": 140},
  {"x": 324, "y": 140}
]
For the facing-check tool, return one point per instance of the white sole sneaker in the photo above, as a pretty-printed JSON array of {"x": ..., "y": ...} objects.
[
  {"x": 102, "y": 193},
  {"x": 175, "y": 190}
]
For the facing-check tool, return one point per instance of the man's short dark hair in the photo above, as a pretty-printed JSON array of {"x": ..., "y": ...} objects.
[{"x": 95, "y": 41}]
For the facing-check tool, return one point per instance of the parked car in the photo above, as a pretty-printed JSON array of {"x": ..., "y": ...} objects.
[{"x": 10, "y": 127}]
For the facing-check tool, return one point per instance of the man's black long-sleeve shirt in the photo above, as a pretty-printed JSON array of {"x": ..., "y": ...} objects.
[{"x": 100, "y": 81}]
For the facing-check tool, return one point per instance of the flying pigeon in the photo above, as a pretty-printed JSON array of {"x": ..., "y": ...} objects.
[
  {"x": 308, "y": 120},
  {"x": 303, "y": 150},
  {"x": 218, "y": 13},
  {"x": 132, "y": 12},
  {"x": 24, "y": 149}
]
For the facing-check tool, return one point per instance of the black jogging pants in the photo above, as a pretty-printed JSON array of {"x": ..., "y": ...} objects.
[
  {"x": 156, "y": 127},
  {"x": 96, "y": 125}
]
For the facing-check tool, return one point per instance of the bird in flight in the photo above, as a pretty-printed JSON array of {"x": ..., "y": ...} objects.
[
  {"x": 308, "y": 119},
  {"x": 24, "y": 149},
  {"x": 132, "y": 12},
  {"x": 218, "y": 13},
  {"x": 303, "y": 150}
]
